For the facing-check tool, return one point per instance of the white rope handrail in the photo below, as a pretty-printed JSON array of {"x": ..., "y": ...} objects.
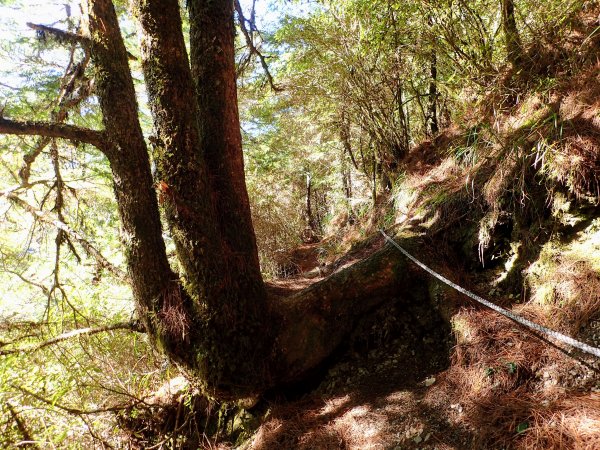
[{"x": 525, "y": 322}]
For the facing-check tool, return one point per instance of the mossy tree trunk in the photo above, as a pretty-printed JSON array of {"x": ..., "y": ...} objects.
[
  {"x": 512, "y": 38},
  {"x": 200, "y": 166},
  {"x": 128, "y": 156},
  {"x": 214, "y": 318}
]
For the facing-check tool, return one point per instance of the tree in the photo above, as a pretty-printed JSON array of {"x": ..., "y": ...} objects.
[
  {"x": 432, "y": 109},
  {"x": 215, "y": 317},
  {"x": 514, "y": 48}
]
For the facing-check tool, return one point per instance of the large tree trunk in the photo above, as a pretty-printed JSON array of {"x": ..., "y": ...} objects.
[
  {"x": 212, "y": 40},
  {"x": 126, "y": 150},
  {"x": 199, "y": 160},
  {"x": 214, "y": 318}
]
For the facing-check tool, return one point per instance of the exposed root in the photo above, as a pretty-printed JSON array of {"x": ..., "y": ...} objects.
[{"x": 173, "y": 317}]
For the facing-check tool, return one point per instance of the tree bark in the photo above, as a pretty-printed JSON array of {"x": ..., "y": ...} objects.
[
  {"x": 432, "y": 121},
  {"x": 512, "y": 39},
  {"x": 147, "y": 262},
  {"x": 200, "y": 167},
  {"x": 215, "y": 318},
  {"x": 181, "y": 173},
  {"x": 312, "y": 221},
  {"x": 54, "y": 130},
  {"x": 212, "y": 36}
]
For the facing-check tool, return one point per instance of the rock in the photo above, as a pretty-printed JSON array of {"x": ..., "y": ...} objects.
[{"x": 429, "y": 381}]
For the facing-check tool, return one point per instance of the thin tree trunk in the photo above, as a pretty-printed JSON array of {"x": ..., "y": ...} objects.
[
  {"x": 345, "y": 138},
  {"x": 433, "y": 95},
  {"x": 512, "y": 39},
  {"x": 432, "y": 109},
  {"x": 346, "y": 172},
  {"x": 400, "y": 143},
  {"x": 311, "y": 219},
  {"x": 140, "y": 220}
]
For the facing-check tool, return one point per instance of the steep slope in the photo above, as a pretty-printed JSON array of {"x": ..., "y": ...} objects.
[{"x": 504, "y": 203}]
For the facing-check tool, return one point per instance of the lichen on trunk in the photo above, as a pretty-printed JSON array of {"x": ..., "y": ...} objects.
[
  {"x": 214, "y": 318},
  {"x": 127, "y": 153}
]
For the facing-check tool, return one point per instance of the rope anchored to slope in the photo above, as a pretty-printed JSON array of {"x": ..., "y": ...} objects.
[{"x": 515, "y": 317}]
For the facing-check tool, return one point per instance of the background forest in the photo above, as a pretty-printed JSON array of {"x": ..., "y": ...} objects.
[{"x": 471, "y": 127}]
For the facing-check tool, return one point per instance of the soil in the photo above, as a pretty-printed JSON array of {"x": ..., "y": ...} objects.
[
  {"x": 309, "y": 268},
  {"x": 371, "y": 399}
]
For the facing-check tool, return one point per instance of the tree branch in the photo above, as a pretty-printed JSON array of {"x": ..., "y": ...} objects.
[
  {"x": 60, "y": 35},
  {"x": 132, "y": 325},
  {"x": 252, "y": 47},
  {"x": 69, "y": 97},
  {"x": 87, "y": 246},
  {"x": 55, "y": 130},
  {"x": 66, "y": 37},
  {"x": 43, "y": 288},
  {"x": 70, "y": 410}
]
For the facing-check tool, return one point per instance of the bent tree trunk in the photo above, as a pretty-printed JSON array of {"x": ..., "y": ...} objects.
[{"x": 214, "y": 318}]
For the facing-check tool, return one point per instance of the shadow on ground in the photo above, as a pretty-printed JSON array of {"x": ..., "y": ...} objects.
[{"x": 372, "y": 396}]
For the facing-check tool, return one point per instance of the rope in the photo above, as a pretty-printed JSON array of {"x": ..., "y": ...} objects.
[{"x": 527, "y": 323}]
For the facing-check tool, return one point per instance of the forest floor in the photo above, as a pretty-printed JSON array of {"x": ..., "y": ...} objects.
[
  {"x": 375, "y": 393},
  {"x": 402, "y": 382}
]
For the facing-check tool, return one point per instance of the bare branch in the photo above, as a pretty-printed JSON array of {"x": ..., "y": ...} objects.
[
  {"x": 74, "y": 75},
  {"x": 87, "y": 246},
  {"x": 43, "y": 288},
  {"x": 252, "y": 47},
  {"x": 54, "y": 130},
  {"x": 60, "y": 35},
  {"x": 132, "y": 326},
  {"x": 66, "y": 36},
  {"x": 70, "y": 410},
  {"x": 30, "y": 157}
]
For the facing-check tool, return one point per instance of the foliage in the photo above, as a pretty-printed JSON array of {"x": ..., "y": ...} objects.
[{"x": 361, "y": 82}]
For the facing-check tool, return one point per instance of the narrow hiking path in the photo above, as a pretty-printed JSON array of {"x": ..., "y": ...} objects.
[
  {"x": 447, "y": 375},
  {"x": 374, "y": 394},
  {"x": 309, "y": 266}
]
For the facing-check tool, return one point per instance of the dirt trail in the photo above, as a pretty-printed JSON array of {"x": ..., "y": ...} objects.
[
  {"x": 374, "y": 395},
  {"x": 308, "y": 269}
]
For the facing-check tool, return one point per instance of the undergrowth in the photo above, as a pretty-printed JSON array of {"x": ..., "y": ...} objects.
[{"x": 514, "y": 192}]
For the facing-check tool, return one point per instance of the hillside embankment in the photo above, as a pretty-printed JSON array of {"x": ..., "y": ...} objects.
[{"x": 504, "y": 203}]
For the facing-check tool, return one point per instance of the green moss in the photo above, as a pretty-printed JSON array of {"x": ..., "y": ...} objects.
[{"x": 461, "y": 329}]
